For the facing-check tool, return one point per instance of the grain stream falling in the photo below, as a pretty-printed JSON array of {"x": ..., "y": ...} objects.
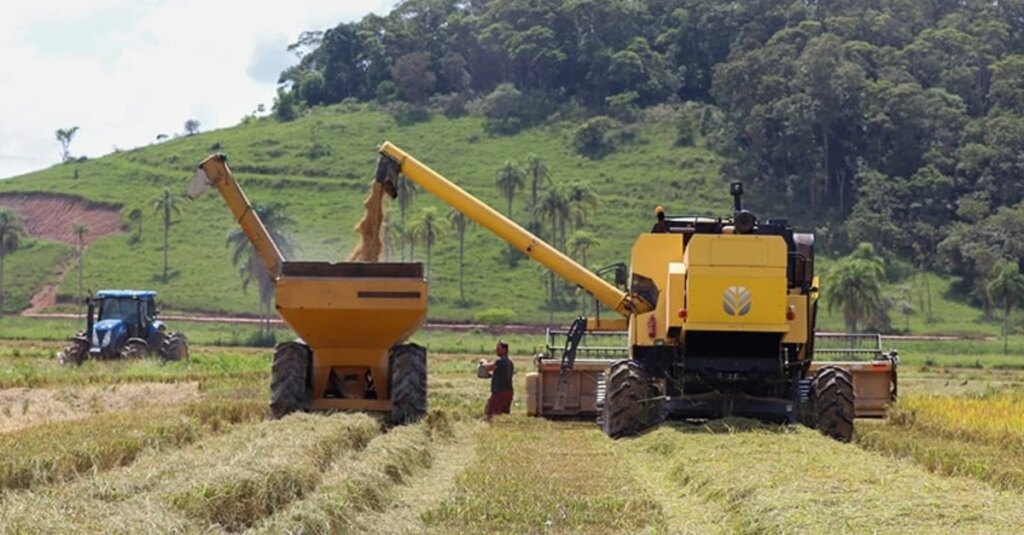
[{"x": 370, "y": 244}]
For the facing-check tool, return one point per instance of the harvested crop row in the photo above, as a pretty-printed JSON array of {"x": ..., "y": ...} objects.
[
  {"x": 793, "y": 480},
  {"x": 357, "y": 485},
  {"x": 60, "y": 451},
  {"x": 228, "y": 481},
  {"x": 532, "y": 475}
]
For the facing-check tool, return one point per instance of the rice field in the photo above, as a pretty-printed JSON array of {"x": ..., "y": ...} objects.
[{"x": 139, "y": 447}]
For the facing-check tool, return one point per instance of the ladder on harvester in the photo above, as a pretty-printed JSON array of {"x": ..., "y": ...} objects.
[{"x": 572, "y": 342}]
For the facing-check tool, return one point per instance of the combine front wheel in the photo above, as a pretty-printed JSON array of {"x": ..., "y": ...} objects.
[
  {"x": 832, "y": 394},
  {"x": 289, "y": 391},
  {"x": 408, "y": 370},
  {"x": 628, "y": 405}
]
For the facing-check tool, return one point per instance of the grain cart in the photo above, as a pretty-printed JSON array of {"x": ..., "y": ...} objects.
[
  {"x": 123, "y": 324},
  {"x": 718, "y": 313},
  {"x": 352, "y": 318}
]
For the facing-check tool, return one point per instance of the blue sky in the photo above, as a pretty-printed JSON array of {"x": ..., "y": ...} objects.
[{"x": 125, "y": 71}]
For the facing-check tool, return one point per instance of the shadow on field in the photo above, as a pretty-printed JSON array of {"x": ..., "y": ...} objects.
[{"x": 726, "y": 426}]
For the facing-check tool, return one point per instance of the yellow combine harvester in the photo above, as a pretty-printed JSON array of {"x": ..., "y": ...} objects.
[
  {"x": 352, "y": 317},
  {"x": 719, "y": 320}
]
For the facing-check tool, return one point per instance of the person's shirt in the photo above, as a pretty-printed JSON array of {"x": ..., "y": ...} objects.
[{"x": 501, "y": 378}]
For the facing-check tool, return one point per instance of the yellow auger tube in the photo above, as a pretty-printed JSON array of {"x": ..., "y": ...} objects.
[
  {"x": 217, "y": 172},
  {"x": 510, "y": 231}
]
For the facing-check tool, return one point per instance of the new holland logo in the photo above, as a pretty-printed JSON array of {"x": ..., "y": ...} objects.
[{"x": 736, "y": 301}]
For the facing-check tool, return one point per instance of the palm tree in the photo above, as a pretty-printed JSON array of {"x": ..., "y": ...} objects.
[
  {"x": 12, "y": 231},
  {"x": 580, "y": 244},
  {"x": 407, "y": 190},
  {"x": 855, "y": 286},
  {"x": 537, "y": 171},
  {"x": 427, "y": 226},
  {"x": 244, "y": 257},
  {"x": 135, "y": 216},
  {"x": 1008, "y": 289},
  {"x": 167, "y": 204},
  {"x": 582, "y": 201},
  {"x": 509, "y": 181},
  {"x": 460, "y": 223},
  {"x": 80, "y": 232},
  {"x": 553, "y": 208}
]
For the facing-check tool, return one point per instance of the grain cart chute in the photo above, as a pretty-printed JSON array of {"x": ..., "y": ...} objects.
[
  {"x": 719, "y": 313},
  {"x": 353, "y": 319}
]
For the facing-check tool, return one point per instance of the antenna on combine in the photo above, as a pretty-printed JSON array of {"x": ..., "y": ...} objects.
[{"x": 736, "y": 190}]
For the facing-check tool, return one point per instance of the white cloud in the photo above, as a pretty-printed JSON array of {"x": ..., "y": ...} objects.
[{"x": 125, "y": 71}]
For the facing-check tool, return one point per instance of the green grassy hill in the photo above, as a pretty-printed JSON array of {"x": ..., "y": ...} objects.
[
  {"x": 320, "y": 167},
  {"x": 276, "y": 161}
]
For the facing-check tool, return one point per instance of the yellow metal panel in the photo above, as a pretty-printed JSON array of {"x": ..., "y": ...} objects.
[
  {"x": 652, "y": 254},
  {"x": 798, "y": 327},
  {"x": 736, "y": 282},
  {"x": 352, "y": 312},
  {"x": 606, "y": 324}
]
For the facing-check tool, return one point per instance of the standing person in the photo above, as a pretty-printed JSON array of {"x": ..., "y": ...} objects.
[{"x": 500, "y": 370}]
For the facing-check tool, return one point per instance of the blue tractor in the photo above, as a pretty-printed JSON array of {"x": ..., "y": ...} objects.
[{"x": 122, "y": 324}]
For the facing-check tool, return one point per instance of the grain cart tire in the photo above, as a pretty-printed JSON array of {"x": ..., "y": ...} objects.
[
  {"x": 175, "y": 348},
  {"x": 832, "y": 391},
  {"x": 628, "y": 408},
  {"x": 407, "y": 364},
  {"x": 289, "y": 379},
  {"x": 135, "y": 348},
  {"x": 75, "y": 352}
]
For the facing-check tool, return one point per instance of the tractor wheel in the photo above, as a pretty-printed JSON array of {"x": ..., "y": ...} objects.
[
  {"x": 628, "y": 408},
  {"x": 174, "y": 348},
  {"x": 832, "y": 395},
  {"x": 135, "y": 348},
  {"x": 407, "y": 366},
  {"x": 74, "y": 354},
  {"x": 289, "y": 377}
]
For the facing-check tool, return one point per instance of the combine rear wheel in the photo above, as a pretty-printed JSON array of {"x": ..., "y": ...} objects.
[
  {"x": 832, "y": 394},
  {"x": 135, "y": 348},
  {"x": 174, "y": 348},
  {"x": 629, "y": 407},
  {"x": 74, "y": 354},
  {"x": 289, "y": 379},
  {"x": 407, "y": 364}
]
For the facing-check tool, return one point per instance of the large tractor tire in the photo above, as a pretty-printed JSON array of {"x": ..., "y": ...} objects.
[
  {"x": 75, "y": 352},
  {"x": 174, "y": 348},
  {"x": 289, "y": 379},
  {"x": 135, "y": 348},
  {"x": 629, "y": 405},
  {"x": 832, "y": 396},
  {"x": 407, "y": 364}
]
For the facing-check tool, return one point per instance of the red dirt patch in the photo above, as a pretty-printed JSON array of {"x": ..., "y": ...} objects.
[{"x": 53, "y": 216}]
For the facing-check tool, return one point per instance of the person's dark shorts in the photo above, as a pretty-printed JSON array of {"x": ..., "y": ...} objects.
[{"x": 499, "y": 403}]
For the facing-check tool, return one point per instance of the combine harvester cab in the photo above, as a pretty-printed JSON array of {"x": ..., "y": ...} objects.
[
  {"x": 719, "y": 315},
  {"x": 352, "y": 318}
]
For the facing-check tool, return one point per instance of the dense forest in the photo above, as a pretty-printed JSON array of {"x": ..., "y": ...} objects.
[{"x": 895, "y": 122}]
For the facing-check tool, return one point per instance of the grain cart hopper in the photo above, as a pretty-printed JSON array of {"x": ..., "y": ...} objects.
[
  {"x": 352, "y": 318},
  {"x": 719, "y": 315}
]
